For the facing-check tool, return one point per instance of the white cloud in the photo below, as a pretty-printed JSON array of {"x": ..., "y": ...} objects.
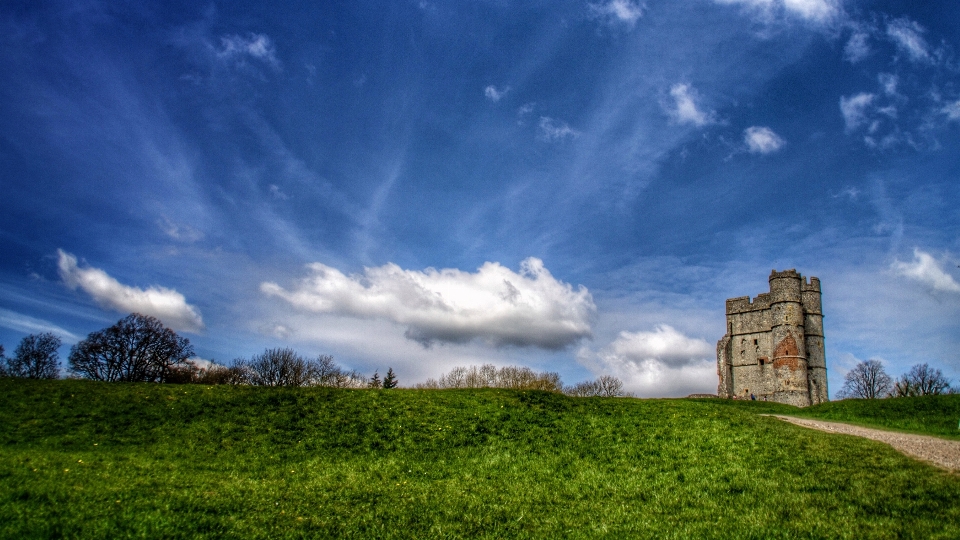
[
  {"x": 23, "y": 323},
  {"x": 555, "y": 130},
  {"x": 523, "y": 112},
  {"x": 278, "y": 193},
  {"x": 813, "y": 10},
  {"x": 257, "y": 46},
  {"x": 660, "y": 363},
  {"x": 493, "y": 94},
  {"x": 622, "y": 11},
  {"x": 818, "y": 11},
  {"x": 762, "y": 140},
  {"x": 952, "y": 110},
  {"x": 925, "y": 269},
  {"x": 854, "y": 109},
  {"x": 165, "y": 304},
  {"x": 684, "y": 109},
  {"x": 494, "y": 305},
  {"x": 857, "y": 48},
  {"x": 889, "y": 82},
  {"x": 179, "y": 231},
  {"x": 908, "y": 36}
]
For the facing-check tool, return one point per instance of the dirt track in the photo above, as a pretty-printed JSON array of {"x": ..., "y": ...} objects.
[{"x": 940, "y": 452}]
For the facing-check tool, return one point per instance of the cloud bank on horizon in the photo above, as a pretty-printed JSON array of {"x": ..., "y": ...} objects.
[{"x": 392, "y": 186}]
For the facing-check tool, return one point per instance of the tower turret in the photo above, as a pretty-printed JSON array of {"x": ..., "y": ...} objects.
[
  {"x": 789, "y": 339},
  {"x": 813, "y": 334}
]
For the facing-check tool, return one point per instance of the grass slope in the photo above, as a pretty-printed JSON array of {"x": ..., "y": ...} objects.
[{"x": 95, "y": 460}]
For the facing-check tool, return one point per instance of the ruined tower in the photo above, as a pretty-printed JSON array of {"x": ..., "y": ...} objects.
[{"x": 773, "y": 348}]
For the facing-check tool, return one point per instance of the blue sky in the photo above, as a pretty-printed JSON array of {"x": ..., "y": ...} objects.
[{"x": 572, "y": 186}]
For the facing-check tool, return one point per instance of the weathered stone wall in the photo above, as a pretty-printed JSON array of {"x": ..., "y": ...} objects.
[{"x": 773, "y": 348}]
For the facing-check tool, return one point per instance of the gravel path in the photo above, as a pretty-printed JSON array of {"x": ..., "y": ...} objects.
[{"x": 940, "y": 452}]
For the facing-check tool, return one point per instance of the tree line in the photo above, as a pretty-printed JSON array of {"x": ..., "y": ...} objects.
[
  {"x": 139, "y": 348},
  {"x": 869, "y": 380},
  {"x": 522, "y": 378}
]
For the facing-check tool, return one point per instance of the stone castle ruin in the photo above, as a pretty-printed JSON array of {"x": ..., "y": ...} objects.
[{"x": 773, "y": 349}]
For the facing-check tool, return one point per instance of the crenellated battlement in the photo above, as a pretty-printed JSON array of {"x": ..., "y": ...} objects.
[
  {"x": 773, "y": 349},
  {"x": 813, "y": 284},
  {"x": 744, "y": 304},
  {"x": 786, "y": 274}
]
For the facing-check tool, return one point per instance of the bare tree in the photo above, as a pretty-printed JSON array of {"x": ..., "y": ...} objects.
[
  {"x": 604, "y": 386},
  {"x": 488, "y": 376},
  {"x": 921, "y": 380},
  {"x": 609, "y": 386},
  {"x": 457, "y": 378},
  {"x": 137, "y": 348},
  {"x": 867, "y": 380},
  {"x": 36, "y": 357},
  {"x": 582, "y": 389},
  {"x": 3, "y": 363},
  {"x": 278, "y": 367}
]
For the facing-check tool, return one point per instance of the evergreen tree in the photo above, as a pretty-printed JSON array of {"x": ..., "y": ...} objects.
[
  {"x": 375, "y": 381},
  {"x": 390, "y": 381}
]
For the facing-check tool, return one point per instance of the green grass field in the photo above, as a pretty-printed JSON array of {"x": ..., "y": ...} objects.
[{"x": 96, "y": 460}]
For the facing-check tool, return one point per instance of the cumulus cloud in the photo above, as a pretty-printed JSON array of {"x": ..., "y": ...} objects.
[
  {"x": 619, "y": 11},
  {"x": 554, "y": 130},
  {"x": 818, "y": 11},
  {"x": 762, "y": 140},
  {"x": 660, "y": 363},
  {"x": 854, "y": 109},
  {"x": 258, "y": 46},
  {"x": 926, "y": 270},
  {"x": 684, "y": 109},
  {"x": 857, "y": 48},
  {"x": 493, "y": 94},
  {"x": 165, "y": 304},
  {"x": 908, "y": 36},
  {"x": 494, "y": 305}
]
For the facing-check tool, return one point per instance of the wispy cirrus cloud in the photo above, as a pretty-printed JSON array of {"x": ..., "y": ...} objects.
[
  {"x": 908, "y": 36},
  {"x": 165, "y": 304},
  {"x": 256, "y": 46},
  {"x": 619, "y": 11},
  {"x": 926, "y": 270},
  {"x": 24, "y": 323},
  {"x": 854, "y": 109},
  {"x": 762, "y": 140},
  {"x": 857, "y": 47},
  {"x": 683, "y": 108},
  {"x": 495, "y": 94},
  {"x": 817, "y": 11},
  {"x": 552, "y": 129},
  {"x": 662, "y": 362},
  {"x": 494, "y": 305}
]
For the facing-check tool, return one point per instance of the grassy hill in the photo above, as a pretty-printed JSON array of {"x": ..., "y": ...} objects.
[{"x": 97, "y": 460}]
